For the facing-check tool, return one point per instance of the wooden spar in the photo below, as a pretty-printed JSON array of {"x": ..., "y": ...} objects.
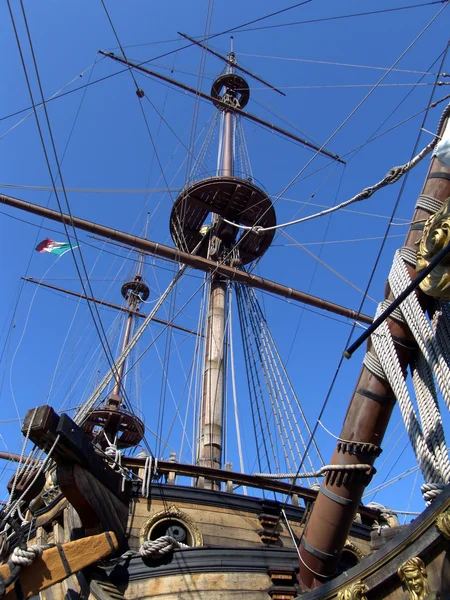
[
  {"x": 365, "y": 425},
  {"x": 109, "y": 305},
  {"x": 58, "y": 563},
  {"x": 230, "y": 62},
  {"x": 15, "y": 457},
  {"x": 196, "y": 262},
  {"x": 224, "y": 105}
]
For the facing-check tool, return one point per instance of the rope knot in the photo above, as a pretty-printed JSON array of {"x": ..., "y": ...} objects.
[
  {"x": 395, "y": 174},
  {"x": 154, "y": 549},
  {"x": 24, "y": 557},
  {"x": 430, "y": 491}
]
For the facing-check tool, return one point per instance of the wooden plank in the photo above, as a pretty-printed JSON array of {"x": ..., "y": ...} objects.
[
  {"x": 220, "y": 586},
  {"x": 48, "y": 516},
  {"x": 50, "y": 568}
]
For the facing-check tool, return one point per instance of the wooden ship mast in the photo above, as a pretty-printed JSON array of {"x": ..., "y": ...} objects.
[{"x": 95, "y": 494}]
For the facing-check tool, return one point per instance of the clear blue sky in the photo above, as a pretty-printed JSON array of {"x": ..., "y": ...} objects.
[{"x": 105, "y": 142}]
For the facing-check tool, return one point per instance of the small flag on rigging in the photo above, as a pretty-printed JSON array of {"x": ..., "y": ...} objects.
[{"x": 58, "y": 248}]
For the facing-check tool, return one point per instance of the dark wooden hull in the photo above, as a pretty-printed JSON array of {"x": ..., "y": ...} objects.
[{"x": 230, "y": 556}]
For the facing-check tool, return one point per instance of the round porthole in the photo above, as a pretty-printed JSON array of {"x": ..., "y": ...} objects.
[
  {"x": 175, "y": 523},
  {"x": 173, "y": 527}
]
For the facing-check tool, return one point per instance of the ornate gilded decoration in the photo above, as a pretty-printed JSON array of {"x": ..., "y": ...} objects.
[
  {"x": 173, "y": 512},
  {"x": 443, "y": 523},
  {"x": 349, "y": 545},
  {"x": 355, "y": 591},
  {"x": 436, "y": 235},
  {"x": 413, "y": 575}
]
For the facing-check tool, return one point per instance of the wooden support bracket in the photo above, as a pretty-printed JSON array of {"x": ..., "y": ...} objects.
[
  {"x": 58, "y": 563},
  {"x": 99, "y": 494}
]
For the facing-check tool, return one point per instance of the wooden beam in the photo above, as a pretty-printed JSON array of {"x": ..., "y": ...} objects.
[
  {"x": 197, "y": 262},
  {"x": 58, "y": 563},
  {"x": 99, "y": 494},
  {"x": 109, "y": 305}
]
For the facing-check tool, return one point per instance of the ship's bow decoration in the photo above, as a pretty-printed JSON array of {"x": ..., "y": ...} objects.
[
  {"x": 435, "y": 238},
  {"x": 443, "y": 523},
  {"x": 413, "y": 575},
  {"x": 355, "y": 591}
]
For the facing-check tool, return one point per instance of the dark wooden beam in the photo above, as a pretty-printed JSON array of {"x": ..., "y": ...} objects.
[
  {"x": 365, "y": 423},
  {"x": 99, "y": 494},
  {"x": 197, "y": 262},
  {"x": 109, "y": 305},
  {"x": 224, "y": 105}
]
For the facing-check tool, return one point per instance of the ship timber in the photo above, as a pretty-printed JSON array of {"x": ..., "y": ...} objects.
[{"x": 217, "y": 543}]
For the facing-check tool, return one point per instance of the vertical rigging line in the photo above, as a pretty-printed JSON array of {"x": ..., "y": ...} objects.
[
  {"x": 233, "y": 384},
  {"x": 93, "y": 309}
]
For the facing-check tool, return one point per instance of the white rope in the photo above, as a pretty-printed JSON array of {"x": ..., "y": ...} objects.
[
  {"x": 113, "y": 453},
  {"x": 24, "y": 557},
  {"x": 322, "y": 471},
  {"x": 430, "y": 366},
  {"x": 160, "y": 547},
  {"x": 233, "y": 386},
  {"x": 150, "y": 471},
  {"x": 153, "y": 549},
  {"x": 391, "y": 177}
]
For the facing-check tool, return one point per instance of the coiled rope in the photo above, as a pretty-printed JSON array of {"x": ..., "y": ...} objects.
[{"x": 21, "y": 557}]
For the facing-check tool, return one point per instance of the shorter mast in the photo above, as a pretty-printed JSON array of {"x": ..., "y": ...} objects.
[
  {"x": 112, "y": 424},
  {"x": 134, "y": 292}
]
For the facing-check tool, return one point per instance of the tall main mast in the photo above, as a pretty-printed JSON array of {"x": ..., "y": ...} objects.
[
  {"x": 209, "y": 443},
  {"x": 239, "y": 201}
]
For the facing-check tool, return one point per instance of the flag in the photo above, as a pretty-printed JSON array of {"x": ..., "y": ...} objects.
[{"x": 58, "y": 248}]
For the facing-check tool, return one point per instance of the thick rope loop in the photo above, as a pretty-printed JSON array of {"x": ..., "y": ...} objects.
[{"x": 152, "y": 549}]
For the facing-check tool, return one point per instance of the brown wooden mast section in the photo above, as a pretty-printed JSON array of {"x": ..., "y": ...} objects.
[
  {"x": 209, "y": 445},
  {"x": 197, "y": 262},
  {"x": 364, "y": 426}
]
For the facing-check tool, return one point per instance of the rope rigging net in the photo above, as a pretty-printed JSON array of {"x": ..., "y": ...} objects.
[{"x": 281, "y": 427}]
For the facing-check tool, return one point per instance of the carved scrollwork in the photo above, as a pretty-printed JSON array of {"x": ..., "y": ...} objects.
[
  {"x": 413, "y": 575},
  {"x": 349, "y": 545},
  {"x": 443, "y": 523},
  {"x": 355, "y": 591},
  {"x": 436, "y": 235}
]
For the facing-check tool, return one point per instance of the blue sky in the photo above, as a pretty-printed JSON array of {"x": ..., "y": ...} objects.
[{"x": 103, "y": 142}]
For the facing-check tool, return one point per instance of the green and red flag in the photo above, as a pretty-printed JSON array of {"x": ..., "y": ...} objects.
[{"x": 58, "y": 248}]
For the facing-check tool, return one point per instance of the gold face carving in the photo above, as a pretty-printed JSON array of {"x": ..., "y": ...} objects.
[
  {"x": 356, "y": 591},
  {"x": 436, "y": 235},
  {"x": 413, "y": 575}
]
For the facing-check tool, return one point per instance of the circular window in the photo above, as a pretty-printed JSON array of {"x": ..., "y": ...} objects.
[
  {"x": 173, "y": 527},
  {"x": 174, "y": 523}
]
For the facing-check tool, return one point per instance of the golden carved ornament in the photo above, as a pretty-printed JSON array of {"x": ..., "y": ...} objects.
[
  {"x": 436, "y": 235},
  {"x": 349, "y": 545},
  {"x": 173, "y": 512},
  {"x": 443, "y": 523},
  {"x": 413, "y": 575},
  {"x": 355, "y": 591}
]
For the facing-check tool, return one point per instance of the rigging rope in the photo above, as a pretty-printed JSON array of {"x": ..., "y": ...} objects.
[
  {"x": 425, "y": 429},
  {"x": 392, "y": 176}
]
